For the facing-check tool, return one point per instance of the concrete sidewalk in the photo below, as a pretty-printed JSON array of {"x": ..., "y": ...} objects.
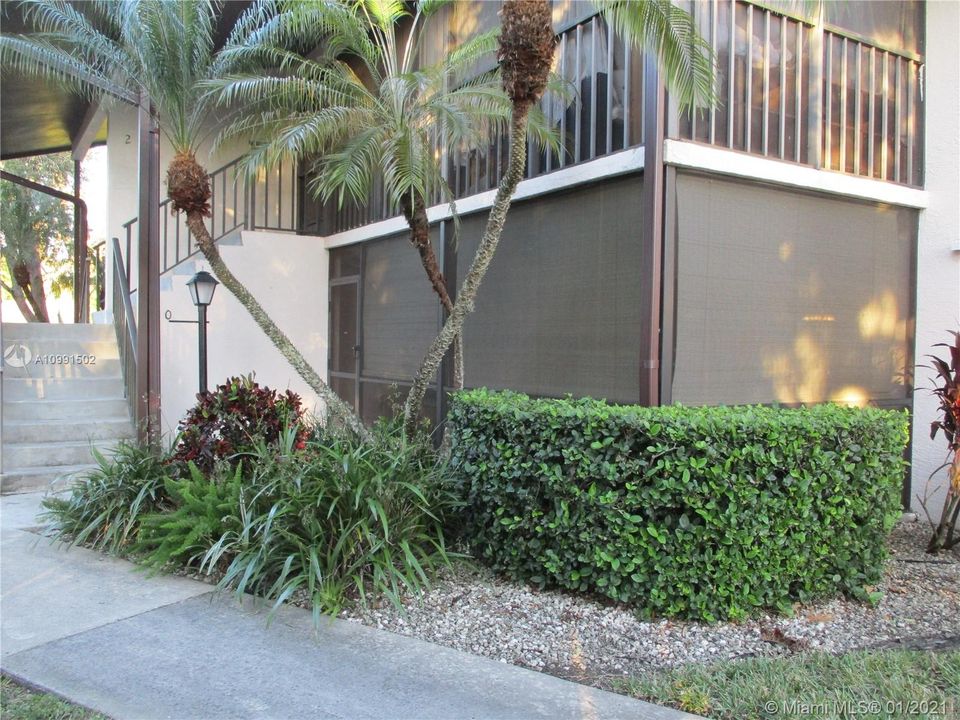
[{"x": 96, "y": 631}]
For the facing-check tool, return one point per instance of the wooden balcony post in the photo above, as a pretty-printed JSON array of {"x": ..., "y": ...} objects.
[
  {"x": 148, "y": 274},
  {"x": 651, "y": 254}
]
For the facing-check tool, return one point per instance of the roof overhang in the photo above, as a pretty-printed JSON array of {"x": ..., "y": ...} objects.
[{"x": 38, "y": 117}]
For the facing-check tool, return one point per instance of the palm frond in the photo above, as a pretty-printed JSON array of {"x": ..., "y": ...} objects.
[
  {"x": 40, "y": 59},
  {"x": 408, "y": 164},
  {"x": 295, "y": 137},
  {"x": 429, "y": 8},
  {"x": 468, "y": 113},
  {"x": 542, "y": 133},
  {"x": 349, "y": 173},
  {"x": 671, "y": 35},
  {"x": 385, "y": 13},
  {"x": 469, "y": 53},
  {"x": 62, "y": 25},
  {"x": 331, "y": 28},
  {"x": 290, "y": 93}
]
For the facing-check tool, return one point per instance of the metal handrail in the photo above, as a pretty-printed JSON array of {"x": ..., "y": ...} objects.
[
  {"x": 237, "y": 201},
  {"x": 124, "y": 321},
  {"x": 96, "y": 255}
]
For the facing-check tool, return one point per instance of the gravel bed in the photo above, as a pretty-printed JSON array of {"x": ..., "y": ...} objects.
[{"x": 589, "y": 640}]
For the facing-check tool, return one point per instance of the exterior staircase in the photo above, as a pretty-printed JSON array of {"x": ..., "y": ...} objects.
[{"x": 63, "y": 394}]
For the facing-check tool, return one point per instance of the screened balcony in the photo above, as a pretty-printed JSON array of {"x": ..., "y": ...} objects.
[
  {"x": 840, "y": 90},
  {"x": 837, "y": 88}
]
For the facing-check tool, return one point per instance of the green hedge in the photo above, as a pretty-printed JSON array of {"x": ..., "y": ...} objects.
[{"x": 704, "y": 513}]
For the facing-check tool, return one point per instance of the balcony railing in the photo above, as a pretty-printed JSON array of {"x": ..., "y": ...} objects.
[
  {"x": 789, "y": 88},
  {"x": 872, "y": 111},
  {"x": 797, "y": 91},
  {"x": 269, "y": 201},
  {"x": 600, "y": 114}
]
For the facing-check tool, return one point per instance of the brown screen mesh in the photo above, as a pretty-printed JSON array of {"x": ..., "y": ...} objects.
[
  {"x": 559, "y": 311},
  {"x": 788, "y": 297},
  {"x": 399, "y": 310}
]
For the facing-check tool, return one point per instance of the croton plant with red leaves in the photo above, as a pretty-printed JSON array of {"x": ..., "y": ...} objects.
[
  {"x": 233, "y": 418},
  {"x": 947, "y": 391}
]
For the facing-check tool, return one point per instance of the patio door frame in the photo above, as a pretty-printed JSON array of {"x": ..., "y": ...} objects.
[{"x": 335, "y": 338}]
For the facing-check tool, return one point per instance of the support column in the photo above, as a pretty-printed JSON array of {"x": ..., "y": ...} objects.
[
  {"x": 651, "y": 237},
  {"x": 938, "y": 247},
  {"x": 148, "y": 274},
  {"x": 817, "y": 100},
  {"x": 81, "y": 273},
  {"x": 668, "y": 314}
]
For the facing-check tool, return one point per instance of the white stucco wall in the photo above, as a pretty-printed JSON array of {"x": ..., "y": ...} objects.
[
  {"x": 288, "y": 274},
  {"x": 123, "y": 173},
  {"x": 121, "y": 169},
  {"x": 938, "y": 253}
]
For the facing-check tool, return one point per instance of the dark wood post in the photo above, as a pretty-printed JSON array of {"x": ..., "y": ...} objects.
[
  {"x": 651, "y": 254},
  {"x": 148, "y": 274},
  {"x": 81, "y": 273}
]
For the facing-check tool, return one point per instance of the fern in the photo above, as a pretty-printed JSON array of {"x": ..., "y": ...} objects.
[{"x": 206, "y": 509}]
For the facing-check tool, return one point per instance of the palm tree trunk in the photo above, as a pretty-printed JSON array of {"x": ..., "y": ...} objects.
[
  {"x": 335, "y": 406},
  {"x": 24, "y": 279},
  {"x": 478, "y": 269},
  {"x": 38, "y": 292},
  {"x": 17, "y": 294},
  {"x": 415, "y": 212},
  {"x": 943, "y": 534}
]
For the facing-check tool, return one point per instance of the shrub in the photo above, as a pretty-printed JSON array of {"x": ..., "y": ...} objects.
[
  {"x": 105, "y": 508},
  {"x": 343, "y": 518},
  {"x": 702, "y": 513},
  {"x": 333, "y": 516},
  {"x": 205, "y": 510},
  {"x": 233, "y": 418}
]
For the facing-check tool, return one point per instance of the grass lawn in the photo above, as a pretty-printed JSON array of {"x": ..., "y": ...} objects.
[
  {"x": 20, "y": 703},
  {"x": 882, "y": 684}
]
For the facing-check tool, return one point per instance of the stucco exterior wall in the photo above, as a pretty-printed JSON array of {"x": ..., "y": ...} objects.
[
  {"x": 288, "y": 274},
  {"x": 123, "y": 174},
  {"x": 938, "y": 251}
]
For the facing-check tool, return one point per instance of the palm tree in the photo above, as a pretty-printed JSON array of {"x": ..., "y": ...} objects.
[
  {"x": 362, "y": 108},
  {"x": 525, "y": 52},
  {"x": 164, "y": 50}
]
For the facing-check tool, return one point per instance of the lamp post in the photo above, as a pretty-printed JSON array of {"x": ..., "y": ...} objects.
[{"x": 201, "y": 288}]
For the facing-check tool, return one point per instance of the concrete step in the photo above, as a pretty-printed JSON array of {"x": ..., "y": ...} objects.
[
  {"x": 101, "y": 368},
  {"x": 65, "y": 331},
  {"x": 41, "y": 454},
  {"x": 21, "y": 480},
  {"x": 61, "y": 388},
  {"x": 57, "y": 351},
  {"x": 27, "y": 431},
  {"x": 75, "y": 410}
]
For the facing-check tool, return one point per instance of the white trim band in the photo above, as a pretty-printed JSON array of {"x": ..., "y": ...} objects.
[
  {"x": 608, "y": 166},
  {"x": 737, "y": 164}
]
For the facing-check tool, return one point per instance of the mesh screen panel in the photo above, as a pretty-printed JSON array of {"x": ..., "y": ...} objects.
[
  {"x": 786, "y": 297},
  {"x": 399, "y": 310},
  {"x": 379, "y": 400},
  {"x": 559, "y": 310}
]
